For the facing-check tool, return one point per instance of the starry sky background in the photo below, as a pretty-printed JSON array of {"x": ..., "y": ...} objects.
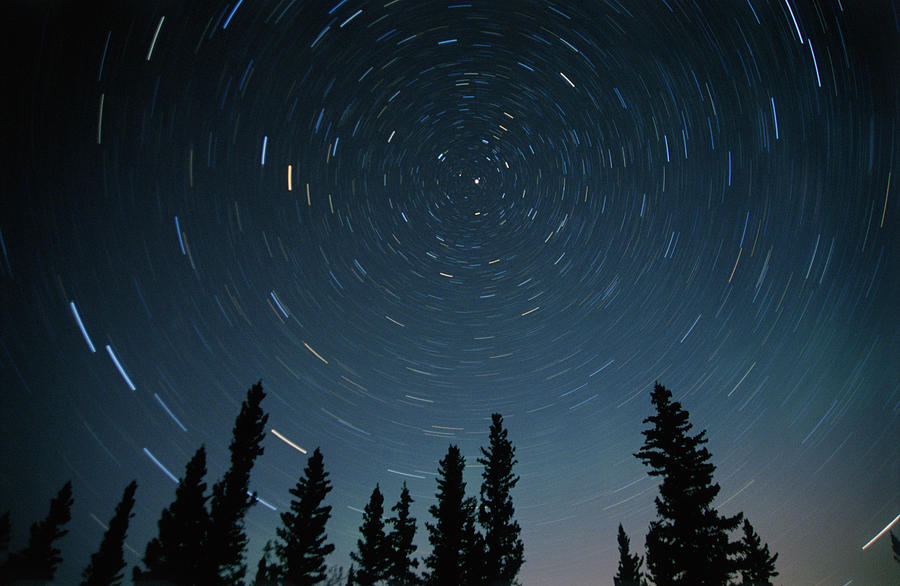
[{"x": 404, "y": 216}]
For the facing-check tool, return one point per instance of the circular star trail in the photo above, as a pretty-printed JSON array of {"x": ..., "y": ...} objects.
[{"x": 405, "y": 216}]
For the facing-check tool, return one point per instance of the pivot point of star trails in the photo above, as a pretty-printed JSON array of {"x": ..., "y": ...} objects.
[{"x": 81, "y": 327}]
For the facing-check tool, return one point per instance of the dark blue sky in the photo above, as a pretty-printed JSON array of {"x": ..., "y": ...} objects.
[{"x": 404, "y": 216}]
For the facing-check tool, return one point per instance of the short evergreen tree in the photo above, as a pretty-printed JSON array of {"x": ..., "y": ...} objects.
[
  {"x": 371, "y": 555},
  {"x": 503, "y": 548},
  {"x": 757, "y": 566},
  {"x": 302, "y": 547},
  {"x": 457, "y": 551},
  {"x": 177, "y": 553},
  {"x": 266, "y": 569},
  {"x": 108, "y": 562},
  {"x": 401, "y": 563},
  {"x": 231, "y": 497},
  {"x": 629, "y": 570},
  {"x": 40, "y": 559},
  {"x": 688, "y": 543}
]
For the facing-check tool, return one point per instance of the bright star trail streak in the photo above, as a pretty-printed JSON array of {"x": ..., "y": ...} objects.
[
  {"x": 404, "y": 216},
  {"x": 160, "y": 466},
  {"x": 231, "y": 14},
  {"x": 81, "y": 327},
  {"x": 155, "y": 36},
  {"x": 288, "y": 442},
  {"x": 121, "y": 370},
  {"x": 690, "y": 329},
  {"x": 180, "y": 238},
  {"x": 262, "y": 502},
  {"x": 407, "y": 474},
  {"x": 278, "y": 304},
  {"x": 169, "y": 412},
  {"x": 882, "y": 532}
]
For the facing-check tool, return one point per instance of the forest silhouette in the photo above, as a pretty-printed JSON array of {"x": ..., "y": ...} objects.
[{"x": 474, "y": 541}]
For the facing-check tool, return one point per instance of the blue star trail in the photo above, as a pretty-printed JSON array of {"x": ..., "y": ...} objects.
[{"x": 404, "y": 216}]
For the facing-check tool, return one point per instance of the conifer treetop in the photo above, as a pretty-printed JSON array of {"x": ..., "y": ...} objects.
[
  {"x": 302, "y": 546},
  {"x": 108, "y": 562},
  {"x": 231, "y": 496},
  {"x": 40, "y": 559}
]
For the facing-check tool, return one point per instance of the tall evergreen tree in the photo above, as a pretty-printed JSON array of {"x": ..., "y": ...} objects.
[
  {"x": 302, "y": 549},
  {"x": 372, "y": 549},
  {"x": 504, "y": 551},
  {"x": 176, "y": 555},
  {"x": 688, "y": 543},
  {"x": 231, "y": 497},
  {"x": 457, "y": 551},
  {"x": 629, "y": 570},
  {"x": 757, "y": 566},
  {"x": 40, "y": 559},
  {"x": 108, "y": 562},
  {"x": 401, "y": 563}
]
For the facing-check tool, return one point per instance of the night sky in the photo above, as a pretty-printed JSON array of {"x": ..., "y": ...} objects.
[{"x": 403, "y": 216}]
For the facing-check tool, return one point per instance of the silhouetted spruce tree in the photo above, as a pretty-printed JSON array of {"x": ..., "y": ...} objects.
[
  {"x": 401, "y": 563},
  {"x": 688, "y": 543},
  {"x": 108, "y": 562},
  {"x": 504, "y": 551},
  {"x": 302, "y": 549},
  {"x": 457, "y": 549},
  {"x": 231, "y": 496},
  {"x": 372, "y": 549},
  {"x": 757, "y": 566},
  {"x": 40, "y": 559},
  {"x": 629, "y": 570},
  {"x": 177, "y": 554}
]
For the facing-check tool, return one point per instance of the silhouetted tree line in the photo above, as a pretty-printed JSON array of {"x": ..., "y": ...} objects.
[
  {"x": 475, "y": 541},
  {"x": 201, "y": 539}
]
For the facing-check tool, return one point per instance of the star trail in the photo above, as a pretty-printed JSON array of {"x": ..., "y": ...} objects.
[{"x": 405, "y": 215}]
